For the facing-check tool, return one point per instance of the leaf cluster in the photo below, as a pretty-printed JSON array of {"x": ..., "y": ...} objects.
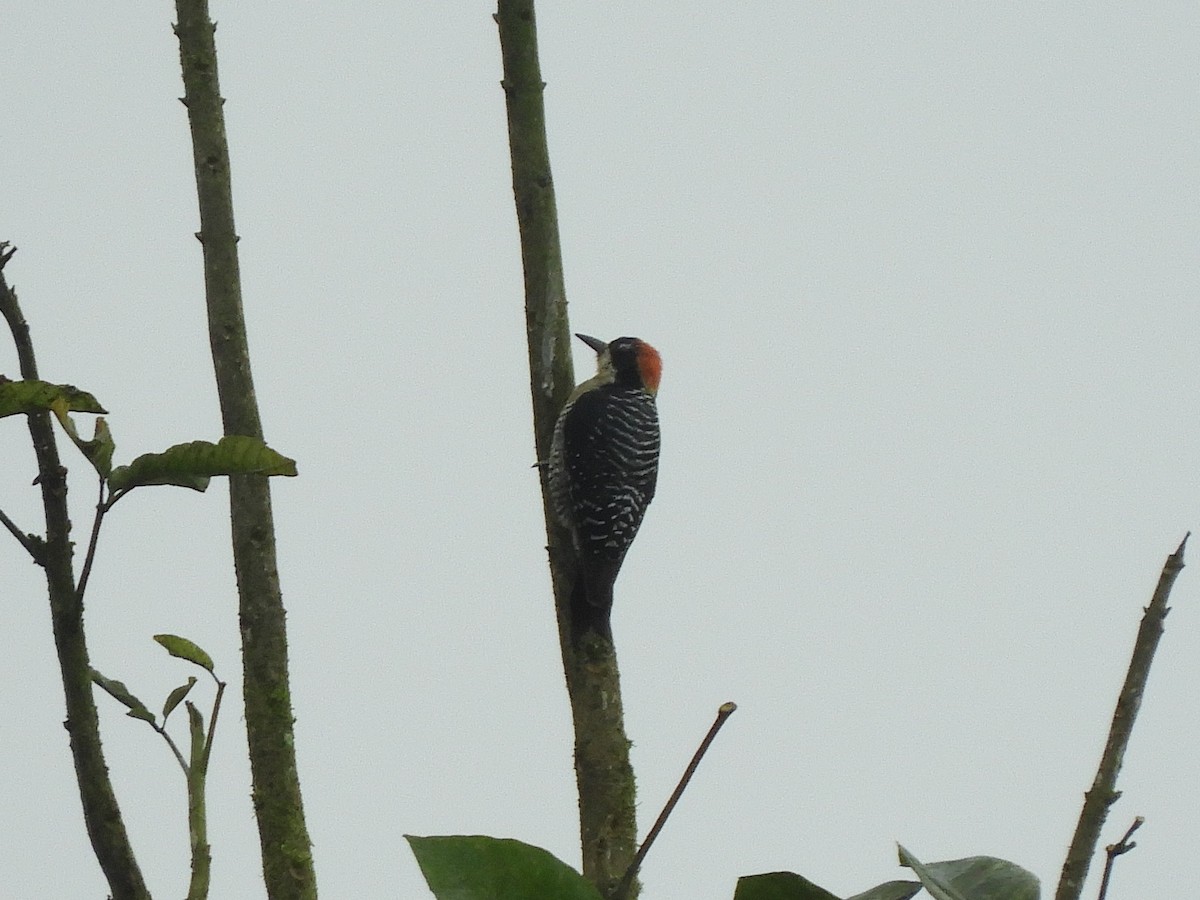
[
  {"x": 476, "y": 867},
  {"x": 191, "y": 465}
]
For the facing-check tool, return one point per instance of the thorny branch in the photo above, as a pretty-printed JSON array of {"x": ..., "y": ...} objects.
[
  {"x": 101, "y": 813},
  {"x": 1104, "y": 791}
]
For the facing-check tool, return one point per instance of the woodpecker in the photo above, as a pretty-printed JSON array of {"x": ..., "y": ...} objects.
[{"x": 603, "y": 468}]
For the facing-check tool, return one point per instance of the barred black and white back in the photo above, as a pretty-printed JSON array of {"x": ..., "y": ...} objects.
[{"x": 604, "y": 469}]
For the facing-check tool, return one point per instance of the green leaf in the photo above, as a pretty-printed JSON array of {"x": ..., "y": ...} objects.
[
  {"x": 779, "y": 886},
  {"x": 122, "y": 694},
  {"x": 34, "y": 396},
  {"x": 174, "y": 698},
  {"x": 99, "y": 450},
  {"x": 182, "y": 648},
  {"x": 890, "y": 890},
  {"x": 974, "y": 878},
  {"x": 192, "y": 465},
  {"x": 477, "y": 867}
]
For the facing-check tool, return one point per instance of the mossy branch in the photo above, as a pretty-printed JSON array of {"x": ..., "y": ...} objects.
[
  {"x": 283, "y": 834},
  {"x": 101, "y": 813},
  {"x": 604, "y": 776}
]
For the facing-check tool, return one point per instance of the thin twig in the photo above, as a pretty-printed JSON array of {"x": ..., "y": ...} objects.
[
  {"x": 1104, "y": 793},
  {"x": 1112, "y": 851},
  {"x": 29, "y": 542},
  {"x": 212, "y": 722},
  {"x": 162, "y": 730},
  {"x": 85, "y": 573},
  {"x": 723, "y": 713}
]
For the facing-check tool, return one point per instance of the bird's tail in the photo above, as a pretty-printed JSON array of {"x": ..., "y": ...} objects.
[{"x": 592, "y": 599}]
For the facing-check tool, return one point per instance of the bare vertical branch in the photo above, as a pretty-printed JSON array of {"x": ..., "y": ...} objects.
[
  {"x": 283, "y": 834},
  {"x": 1104, "y": 793},
  {"x": 197, "y": 781},
  {"x": 101, "y": 813},
  {"x": 608, "y": 827}
]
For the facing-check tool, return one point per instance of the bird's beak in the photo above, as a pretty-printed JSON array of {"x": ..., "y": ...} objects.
[{"x": 595, "y": 343}]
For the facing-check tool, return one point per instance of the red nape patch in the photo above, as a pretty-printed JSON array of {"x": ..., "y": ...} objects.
[{"x": 650, "y": 366}]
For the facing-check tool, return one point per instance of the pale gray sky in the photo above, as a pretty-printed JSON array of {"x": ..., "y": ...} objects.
[{"x": 923, "y": 277}]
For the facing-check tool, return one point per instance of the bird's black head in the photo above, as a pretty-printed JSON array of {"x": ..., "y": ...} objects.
[{"x": 629, "y": 360}]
